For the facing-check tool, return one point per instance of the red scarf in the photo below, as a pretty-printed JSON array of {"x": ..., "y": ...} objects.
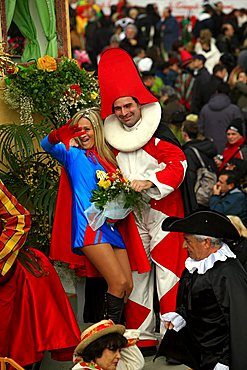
[{"x": 232, "y": 151}]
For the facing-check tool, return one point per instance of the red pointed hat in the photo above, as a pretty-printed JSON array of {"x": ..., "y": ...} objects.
[{"x": 118, "y": 77}]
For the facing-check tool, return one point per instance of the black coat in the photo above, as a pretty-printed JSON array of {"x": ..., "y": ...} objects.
[
  {"x": 202, "y": 77},
  {"x": 207, "y": 151},
  {"x": 214, "y": 305},
  {"x": 188, "y": 195},
  {"x": 210, "y": 88}
]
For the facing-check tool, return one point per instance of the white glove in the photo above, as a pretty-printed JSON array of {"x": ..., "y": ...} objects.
[
  {"x": 177, "y": 320},
  {"x": 220, "y": 366}
]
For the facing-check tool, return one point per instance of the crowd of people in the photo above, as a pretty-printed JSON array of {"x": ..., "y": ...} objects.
[
  {"x": 173, "y": 101},
  {"x": 192, "y": 66}
]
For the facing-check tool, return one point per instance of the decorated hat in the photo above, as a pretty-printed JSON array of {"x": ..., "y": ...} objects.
[
  {"x": 97, "y": 331},
  {"x": 119, "y": 77},
  {"x": 208, "y": 223}
]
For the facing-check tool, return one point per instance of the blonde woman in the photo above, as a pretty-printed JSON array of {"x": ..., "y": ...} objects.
[{"x": 80, "y": 147}]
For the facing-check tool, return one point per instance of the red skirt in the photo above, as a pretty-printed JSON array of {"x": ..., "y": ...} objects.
[{"x": 36, "y": 316}]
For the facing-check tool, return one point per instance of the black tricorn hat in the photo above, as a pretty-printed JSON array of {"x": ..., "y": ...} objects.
[{"x": 208, "y": 223}]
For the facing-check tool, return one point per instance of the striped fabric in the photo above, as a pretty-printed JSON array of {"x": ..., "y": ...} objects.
[{"x": 16, "y": 223}]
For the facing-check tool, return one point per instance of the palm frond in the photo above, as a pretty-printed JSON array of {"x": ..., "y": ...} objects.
[
  {"x": 45, "y": 200},
  {"x": 22, "y": 139}
]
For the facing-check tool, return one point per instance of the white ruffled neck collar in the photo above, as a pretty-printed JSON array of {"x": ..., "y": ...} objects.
[{"x": 207, "y": 263}]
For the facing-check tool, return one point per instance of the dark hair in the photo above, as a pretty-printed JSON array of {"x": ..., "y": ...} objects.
[
  {"x": 218, "y": 68},
  {"x": 177, "y": 117},
  {"x": 232, "y": 177},
  {"x": 191, "y": 129},
  {"x": 223, "y": 88},
  {"x": 135, "y": 100},
  {"x": 112, "y": 341}
]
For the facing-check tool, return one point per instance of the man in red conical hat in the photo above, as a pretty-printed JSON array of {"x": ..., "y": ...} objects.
[{"x": 150, "y": 156}]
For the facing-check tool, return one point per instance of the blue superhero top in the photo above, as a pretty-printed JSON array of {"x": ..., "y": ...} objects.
[{"x": 81, "y": 171}]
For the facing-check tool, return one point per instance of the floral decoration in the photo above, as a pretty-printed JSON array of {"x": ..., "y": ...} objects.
[
  {"x": 55, "y": 89},
  {"x": 110, "y": 185}
]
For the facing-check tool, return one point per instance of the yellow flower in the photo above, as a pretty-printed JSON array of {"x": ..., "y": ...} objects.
[
  {"x": 47, "y": 63},
  {"x": 93, "y": 95},
  {"x": 75, "y": 62},
  {"x": 104, "y": 183}
]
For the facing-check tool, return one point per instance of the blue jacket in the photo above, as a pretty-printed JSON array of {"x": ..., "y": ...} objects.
[
  {"x": 232, "y": 203},
  {"x": 169, "y": 29}
]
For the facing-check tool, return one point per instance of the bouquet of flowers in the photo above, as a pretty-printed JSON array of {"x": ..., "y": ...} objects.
[{"x": 114, "y": 199}]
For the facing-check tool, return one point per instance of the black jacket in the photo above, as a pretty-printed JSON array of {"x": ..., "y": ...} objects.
[
  {"x": 214, "y": 306},
  {"x": 201, "y": 78},
  {"x": 207, "y": 151}
]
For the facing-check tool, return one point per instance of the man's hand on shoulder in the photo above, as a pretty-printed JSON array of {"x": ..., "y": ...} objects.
[{"x": 140, "y": 185}]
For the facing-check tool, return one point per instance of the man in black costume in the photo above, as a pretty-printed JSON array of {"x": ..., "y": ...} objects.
[{"x": 209, "y": 325}]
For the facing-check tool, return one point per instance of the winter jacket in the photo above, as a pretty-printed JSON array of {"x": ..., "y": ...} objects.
[
  {"x": 215, "y": 117},
  {"x": 231, "y": 203},
  {"x": 169, "y": 29},
  {"x": 202, "y": 76}
]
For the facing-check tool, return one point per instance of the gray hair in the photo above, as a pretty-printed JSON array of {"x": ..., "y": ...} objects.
[{"x": 214, "y": 241}]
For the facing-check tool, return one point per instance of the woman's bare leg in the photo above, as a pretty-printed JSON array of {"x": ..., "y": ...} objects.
[
  {"x": 107, "y": 262},
  {"x": 123, "y": 260}
]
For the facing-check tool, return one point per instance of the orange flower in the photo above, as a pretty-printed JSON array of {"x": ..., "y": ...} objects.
[{"x": 47, "y": 63}]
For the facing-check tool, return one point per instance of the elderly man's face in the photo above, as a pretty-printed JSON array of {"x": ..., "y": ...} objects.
[
  {"x": 197, "y": 249},
  {"x": 127, "y": 110}
]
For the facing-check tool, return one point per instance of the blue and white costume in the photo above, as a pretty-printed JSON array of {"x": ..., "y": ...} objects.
[{"x": 81, "y": 171}]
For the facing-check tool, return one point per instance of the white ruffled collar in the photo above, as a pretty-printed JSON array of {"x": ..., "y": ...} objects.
[{"x": 207, "y": 263}]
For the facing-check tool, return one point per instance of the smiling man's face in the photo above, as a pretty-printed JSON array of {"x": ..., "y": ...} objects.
[{"x": 127, "y": 110}]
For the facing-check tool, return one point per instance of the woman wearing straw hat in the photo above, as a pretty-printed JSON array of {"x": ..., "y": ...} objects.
[{"x": 104, "y": 346}]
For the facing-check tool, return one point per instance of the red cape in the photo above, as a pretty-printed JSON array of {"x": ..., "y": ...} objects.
[{"x": 61, "y": 237}]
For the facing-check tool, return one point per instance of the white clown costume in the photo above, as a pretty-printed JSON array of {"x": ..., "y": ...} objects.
[{"x": 146, "y": 151}]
